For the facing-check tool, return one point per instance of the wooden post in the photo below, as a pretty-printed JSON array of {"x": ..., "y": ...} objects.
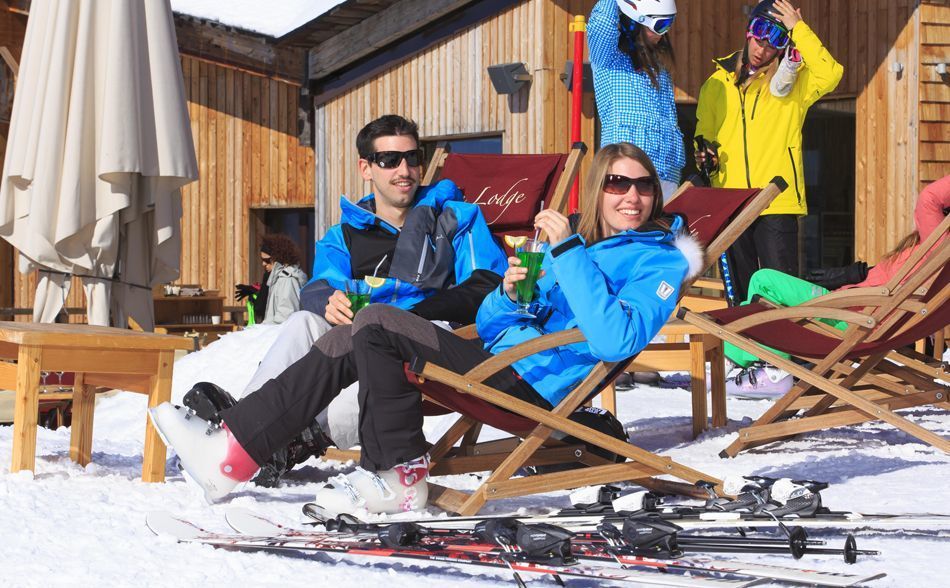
[
  {"x": 717, "y": 374},
  {"x": 160, "y": 390},
  {"x": 697, "y": 383},
  {"x": 26, "y": 408},
  {"x": 84, "y": 403},
  {"x": 608, "y": 399}
]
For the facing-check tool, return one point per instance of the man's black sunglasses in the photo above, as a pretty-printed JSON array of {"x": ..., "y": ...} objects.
[{"x": 392, "y": 159}]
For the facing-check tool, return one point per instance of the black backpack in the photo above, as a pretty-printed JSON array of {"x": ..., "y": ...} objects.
[{"x": 597, "y": 419}]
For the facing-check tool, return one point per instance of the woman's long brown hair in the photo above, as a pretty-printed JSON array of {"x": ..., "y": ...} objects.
[{"x": 592, "y": 198}]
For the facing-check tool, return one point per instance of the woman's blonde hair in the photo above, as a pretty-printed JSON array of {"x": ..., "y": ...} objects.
[
  {"x": 768, "y": 72},
  {"x": 592, "y": 198},
  {"x": 908, "y": 242}
]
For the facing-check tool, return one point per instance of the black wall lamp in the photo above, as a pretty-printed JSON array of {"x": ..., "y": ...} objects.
[{"x": 508, "y": 78}]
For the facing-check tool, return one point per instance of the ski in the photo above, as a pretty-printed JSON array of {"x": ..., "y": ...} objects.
[
  {"x": 489, "y": 556},
  {"x": 712, "y": 520},
  {"x": 248, "y": 522}
]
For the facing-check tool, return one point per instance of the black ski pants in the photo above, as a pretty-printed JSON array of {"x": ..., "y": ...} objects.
[
  {"x": 372, "y": 350},
  {"x": 770, "y": 242}
]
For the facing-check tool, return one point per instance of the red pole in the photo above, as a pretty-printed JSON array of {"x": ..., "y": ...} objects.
[{"x": 579, "y": 28}]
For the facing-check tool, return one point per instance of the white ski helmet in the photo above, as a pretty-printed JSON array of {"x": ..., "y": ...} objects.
[
  {"x": 637, "y": 8},
  {"x": 658, "y": 15}
]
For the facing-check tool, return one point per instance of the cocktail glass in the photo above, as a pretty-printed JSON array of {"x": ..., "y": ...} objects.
[
  {"x": 357, "y": 292},
  {"x": 531, "y": 254}
]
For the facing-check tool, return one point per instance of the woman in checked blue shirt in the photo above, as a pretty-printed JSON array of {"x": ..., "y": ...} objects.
[{"x": 632, "y": 57}]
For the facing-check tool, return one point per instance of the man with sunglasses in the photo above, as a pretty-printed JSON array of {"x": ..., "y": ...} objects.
[
  {"x": 752, "y": 134},
  {"x": 435, "y": 250},
  {"x": 432, "y": 253}
]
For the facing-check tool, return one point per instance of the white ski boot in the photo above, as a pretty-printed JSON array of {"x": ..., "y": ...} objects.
[
  {"x": 401, "y": 489},
  {"x": 210, "y": 456}
]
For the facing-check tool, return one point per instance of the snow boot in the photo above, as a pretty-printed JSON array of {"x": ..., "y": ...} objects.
[
  {"x": 401, "y": 489},
  {"x": 760, "y": 382},
  {"x": 210, "y": 456}
]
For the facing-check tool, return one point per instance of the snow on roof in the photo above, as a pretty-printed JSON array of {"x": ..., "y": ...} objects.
[{"x": 274, "y": 19}]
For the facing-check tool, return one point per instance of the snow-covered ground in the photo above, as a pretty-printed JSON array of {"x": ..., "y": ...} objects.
[{"x": 85, "y": 526}]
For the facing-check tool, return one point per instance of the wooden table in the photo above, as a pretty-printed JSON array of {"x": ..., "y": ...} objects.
[{"x": 100, "y": 356}]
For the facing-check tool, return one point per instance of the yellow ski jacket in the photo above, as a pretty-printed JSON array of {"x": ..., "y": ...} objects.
[{"x": 759, "y": 135}]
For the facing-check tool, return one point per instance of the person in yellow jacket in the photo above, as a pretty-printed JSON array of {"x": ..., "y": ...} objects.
[{"x": 747, "y": 134}]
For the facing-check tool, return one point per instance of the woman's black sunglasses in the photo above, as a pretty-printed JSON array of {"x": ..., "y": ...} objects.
[
  {"x": 616, "y": 184},
  {"x": 392, "y": 159}
]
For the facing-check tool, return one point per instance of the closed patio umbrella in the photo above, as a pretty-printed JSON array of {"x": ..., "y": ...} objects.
[{"x": 99, "y": 147}]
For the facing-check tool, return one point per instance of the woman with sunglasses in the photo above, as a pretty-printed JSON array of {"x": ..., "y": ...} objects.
[
  {"x": 283, "y": 278},
  {"x": 755, "y": 134},
  {"x": 616, "y": 277},
  {"x": 632, "y": 58}
]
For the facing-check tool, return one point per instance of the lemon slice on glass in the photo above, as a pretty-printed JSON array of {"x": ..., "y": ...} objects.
[
  {"x": 515, "y": 242},
  {"x": 374, "y": 282}
]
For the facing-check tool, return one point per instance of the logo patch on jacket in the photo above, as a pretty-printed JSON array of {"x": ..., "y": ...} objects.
[{"x": 664, "y": 291}]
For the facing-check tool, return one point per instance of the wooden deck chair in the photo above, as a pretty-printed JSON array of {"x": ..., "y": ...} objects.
[
  {"x": 719, "y": 217},
  {"x": 509, "y": 188},
  {"x": 860, "y": 374}
]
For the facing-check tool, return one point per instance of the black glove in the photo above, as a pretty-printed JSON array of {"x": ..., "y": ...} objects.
[{"x": 242, "y": 291}]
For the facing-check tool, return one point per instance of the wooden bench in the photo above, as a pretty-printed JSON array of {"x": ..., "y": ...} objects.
[{"x": 100, "y": 356}]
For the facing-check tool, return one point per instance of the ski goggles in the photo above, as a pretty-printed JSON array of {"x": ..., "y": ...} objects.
[
  {"x": 770, "y": 32},
  {"x": 619, "y": 185},
  {"x": 392, "y": 159},
  {"x": 658, "y": 24}
]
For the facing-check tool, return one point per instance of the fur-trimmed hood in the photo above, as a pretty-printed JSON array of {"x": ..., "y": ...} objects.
[{"x": 694, "y": 253}]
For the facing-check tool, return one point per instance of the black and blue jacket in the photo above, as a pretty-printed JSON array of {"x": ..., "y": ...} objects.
[{"x": 440, "y": 264}]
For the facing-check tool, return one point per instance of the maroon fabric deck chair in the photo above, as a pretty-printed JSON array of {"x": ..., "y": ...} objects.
[
  {"x": 510, "y": 189},
  {"x": 718, "y": 216},
  {"x": 860, "y": 374}
]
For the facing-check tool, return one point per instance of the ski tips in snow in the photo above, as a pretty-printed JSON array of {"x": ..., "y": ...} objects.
[{"x": 166, "y": 524}]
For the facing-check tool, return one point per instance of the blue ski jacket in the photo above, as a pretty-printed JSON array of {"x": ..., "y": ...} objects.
[
  {"x": 619, "y": 292},
  {"x": 442, "y": 243}
]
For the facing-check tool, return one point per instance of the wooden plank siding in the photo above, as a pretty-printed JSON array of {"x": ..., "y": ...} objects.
[
  {"x": 934, "y": 92},
  {"x": 887, "y": 123},
  {"x": 245, "y": 131},
  {"x": 248, "y": 157}
]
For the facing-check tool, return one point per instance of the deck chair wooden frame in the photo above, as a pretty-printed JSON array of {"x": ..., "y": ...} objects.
[
  {"x": 510, "y": 456},
  {"x": 836, "y": 392}
]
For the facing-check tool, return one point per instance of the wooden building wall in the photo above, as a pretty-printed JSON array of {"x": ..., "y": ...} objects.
[
  {"x": 245, "y": 130},
  {"x": 446, "y": 90},
  {"x": 934, "y": 91},
  {"x": 887, "y": 149}
]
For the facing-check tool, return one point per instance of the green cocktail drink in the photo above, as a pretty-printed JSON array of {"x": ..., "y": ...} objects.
[
  {"x": 525, "y": 288},
  {"x": 358, "y": 293},
  {"x": 531, "y": 254},
  {"x": 358, "y": 301}
]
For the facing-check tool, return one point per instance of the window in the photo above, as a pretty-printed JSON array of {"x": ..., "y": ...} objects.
[{"x": 488, "y": 144}]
